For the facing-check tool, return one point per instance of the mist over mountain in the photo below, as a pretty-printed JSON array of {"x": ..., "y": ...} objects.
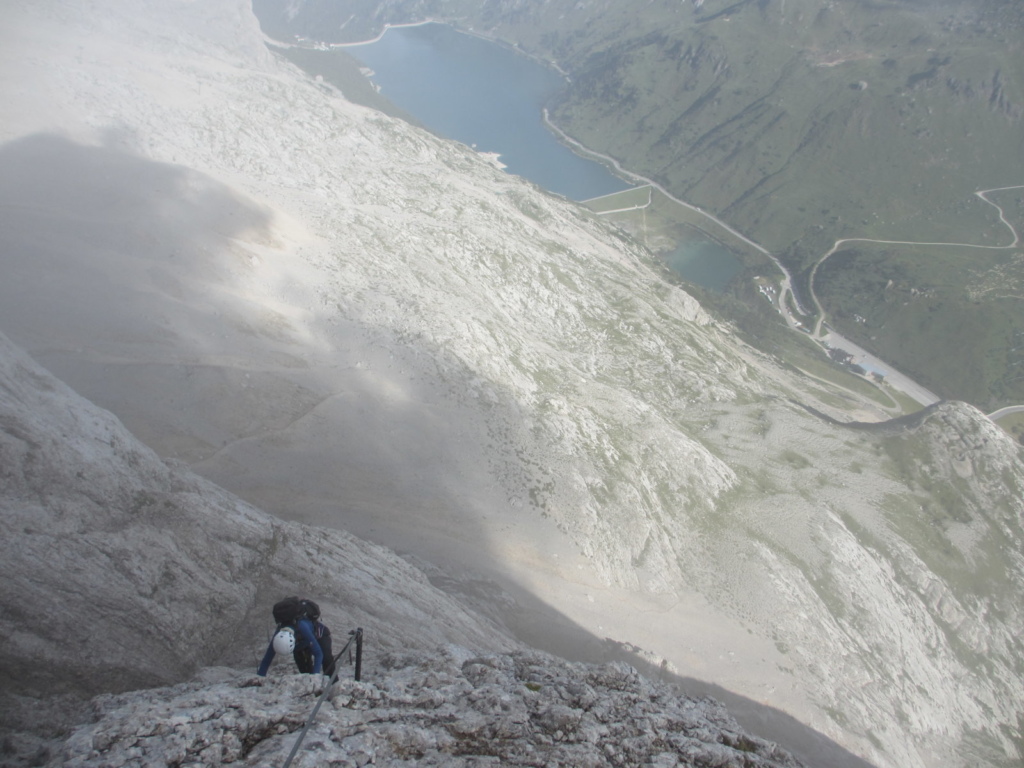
[
  {"x": 123, "y": 573},
  {"x": 349, "y": 322}
]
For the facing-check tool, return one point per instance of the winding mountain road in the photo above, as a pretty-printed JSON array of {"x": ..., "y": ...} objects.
[
  {"x": 838, "y": 243},
  {"x": 789, "y": 303},
  {"x": 861, "y": 356}
]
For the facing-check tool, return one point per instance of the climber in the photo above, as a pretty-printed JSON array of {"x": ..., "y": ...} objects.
[{"x": 300, "y": 633}]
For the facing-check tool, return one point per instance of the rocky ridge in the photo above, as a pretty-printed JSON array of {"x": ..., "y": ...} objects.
[{"x": 451, "y": 708}]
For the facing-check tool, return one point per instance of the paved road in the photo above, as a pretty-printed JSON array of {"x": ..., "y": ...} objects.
[
  {"x": 859, "y": 355},
  {"x": 1006, "y": 411}
]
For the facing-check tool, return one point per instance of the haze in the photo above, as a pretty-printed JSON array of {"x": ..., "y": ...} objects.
[{"x": 350, "y": 322}]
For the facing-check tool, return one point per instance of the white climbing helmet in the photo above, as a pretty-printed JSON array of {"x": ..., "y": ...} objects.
[{"x": 284, "y": 640}]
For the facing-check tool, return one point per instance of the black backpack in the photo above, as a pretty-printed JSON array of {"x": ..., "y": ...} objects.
[{"x": 291, "y": 609}]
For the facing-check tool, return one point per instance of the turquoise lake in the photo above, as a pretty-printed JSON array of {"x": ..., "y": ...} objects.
[
  {"x": 704, "y": 262},
  {"x": 486, "y": 96}
]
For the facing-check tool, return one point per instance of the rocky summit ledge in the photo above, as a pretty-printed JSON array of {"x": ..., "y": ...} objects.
[{"x": 449, "y": 708}]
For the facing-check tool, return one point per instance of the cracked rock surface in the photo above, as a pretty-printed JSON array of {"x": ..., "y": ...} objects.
[{"x": 449, "y": 707}]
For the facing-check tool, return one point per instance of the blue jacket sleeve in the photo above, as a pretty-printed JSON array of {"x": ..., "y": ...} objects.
[
  {"x": 305, "y": 628},
  {"x": 267, "y": 658}
]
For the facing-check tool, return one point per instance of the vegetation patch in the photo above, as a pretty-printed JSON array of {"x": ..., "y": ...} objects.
[
  {"x": 937, "y": 313},
  {"x": 1014, "y": 424}
]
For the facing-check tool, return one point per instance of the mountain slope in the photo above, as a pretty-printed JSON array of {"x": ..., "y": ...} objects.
[
  {"x": 350, "y": 322},
  {"x": 802, "y": 123},
  {"x": 120, "y": 571},
  {"x": 782, "y": 117}
]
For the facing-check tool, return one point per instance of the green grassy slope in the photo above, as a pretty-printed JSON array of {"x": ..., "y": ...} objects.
[
  {"x": 812, "y": 125},
  {"x": 953, "y": 318}
]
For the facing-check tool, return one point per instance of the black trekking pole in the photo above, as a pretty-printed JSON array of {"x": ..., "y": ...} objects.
[{"x": 359, "y": 652}]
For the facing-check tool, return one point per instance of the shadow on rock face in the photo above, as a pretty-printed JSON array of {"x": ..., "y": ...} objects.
[
  {"x": 137, "y": 283},
  {"x": 117, "y": 273},
  {"x": 161, "y": 295},
  {"x": 91, "y": 236}
]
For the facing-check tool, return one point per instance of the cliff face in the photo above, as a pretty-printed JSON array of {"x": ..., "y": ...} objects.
[{"x": 352, "y": 323}]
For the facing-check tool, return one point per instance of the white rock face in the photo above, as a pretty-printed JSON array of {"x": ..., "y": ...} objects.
[
  {"x": 349, "y": 322},
  {"x": 119, "y": 571},
  {"x": 451, "y": 708}
]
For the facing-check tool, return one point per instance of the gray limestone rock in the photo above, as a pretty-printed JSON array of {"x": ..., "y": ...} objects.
[{"x": 446, "y": 707}]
